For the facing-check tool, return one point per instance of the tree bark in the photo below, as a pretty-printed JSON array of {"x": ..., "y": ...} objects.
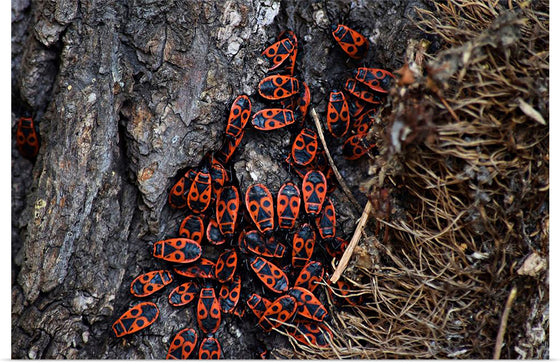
[{"x": 126, "y": 95}]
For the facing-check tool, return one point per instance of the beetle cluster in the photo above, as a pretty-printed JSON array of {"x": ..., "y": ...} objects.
[
  {"x": 351, "y": 115},
  {"x": 247, "y": 232}
]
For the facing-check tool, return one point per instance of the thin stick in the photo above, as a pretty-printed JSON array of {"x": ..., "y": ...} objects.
[
  {"x": 448, "y": 107},
  {"x": 350, "y": 249},
  {"x": 503, "y": 323},
  {"x": 331, "y": 161}
]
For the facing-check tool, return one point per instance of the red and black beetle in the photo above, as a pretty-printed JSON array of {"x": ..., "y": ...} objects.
[
  {"x": 151, "y": 282},
  {"x": 352, "y": 43},
  {"x": 260, "y": 206},
  {"x": 272, "y": 276},
  {"x": 362, "y": 124},
  {"x": 230, "y": 292},
  {"x": 183, "y": 344},
  {"x": 227, "y": 210},
  {"x": 303, "y": 244},
  {"x": 310, "y": 332},
  {"x": 305, "y": 147},
  {"x": 278, "y": 52},
  {"x": 177, "y": 250},
  {"x": 229, "y": 147},
  {"x": 238, "y": 116},
  {"x": 355, "y": 147},
  {"x": 213, "y": 233},
  {"x": 137, "y": 318},
  {"x": 258, "y": 304},
  {"x": 208, "y": 313},
  {"x": 288, "y": 202},
  {"x": 276, "y": 87},
  {"x": 177, "y": 196},
  {"x": 338, "y": 116},
  {"x": 362, "y": 92},
  {"x": 203, "y": 268},
  {"x": 225, "y": 266},
  {"x": 326, "y": 220},
  {"x": 192, "y": 228},
  {"x": 265, "y": 247},
  {"x": 290, "y": 64},
  {"x": 308, "y": 305},
  {"x": 27, "y": 139},
  {"x": 183, "y": 294},
  {"x": 377, "y": 79},
  {"x": 210, "y": 349},
  {"x": 278, "y": 312},
  {"x": 310, "y": 275},
  {"x": 314, "y": 190},
  {"x": 200, "y": 193},
  {"x": 270, "y": 119}
]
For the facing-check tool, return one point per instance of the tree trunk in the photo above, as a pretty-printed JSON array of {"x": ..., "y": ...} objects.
[{"x": 126, "y": 95}]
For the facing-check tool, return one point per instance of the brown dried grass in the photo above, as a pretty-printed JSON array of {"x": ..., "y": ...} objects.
[{"x": 461, "y": 190}]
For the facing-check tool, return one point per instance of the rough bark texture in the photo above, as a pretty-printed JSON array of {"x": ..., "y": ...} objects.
[{"x": 127, "y": 94}]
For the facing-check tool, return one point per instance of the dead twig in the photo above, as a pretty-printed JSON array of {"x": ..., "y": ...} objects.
[
  {"x": 331, "y": 162},
  {"x": 350, "y": 249},
  {"x": 503, "y": 323}
]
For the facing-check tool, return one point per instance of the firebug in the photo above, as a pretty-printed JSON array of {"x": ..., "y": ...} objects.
[
  {"x": 280, "y": 311},
  {"x": 305, "y": 147},
  {"x": 310, "y": 332},
  {"x": 352, "y": 43},
  {"x": 336, "y": 247},
  {"x": 214, "y": 234},
  {"x": 362, "y": 92},
  {"x": 238, "y": 116},
  {"x": 219, "y": 177},
  {"x": 377, "y": 79},
  {"x": 183, "y": 344},
  {"x": 342, "y": 291},
  {"x": 272, "y": 276},
  {"x": 362, "y": 124},
  {"x": 227, "y": 209},
  {"x": 265, "y": 247},
  {"x": 290, "y": 64},
  {"x": 310, "y": 275},
  {"x": 225, "y": 266},
  {"x": 258, "y": 304},
  {"x": 303, "y": 244},
  {"x": 229, "y": 147},
  {"x": 137, "y": 318},
  {"x": 151, "y": 282},
  {"x": 27, "y": 139},
  {"x": 278, "y": 52},
  {"x": 203, "y": 268},
  {"x": 208, "y": 312},
  {"x": 276, "y": 87},
  {"x": 177, "y": 250},
  {"x": 314, "y": 190},
  {"x": 338, "y": 116},
  {"x": 200, "y": 193},
  {"x": 177, "y": 195},
  {"x": 326, "y": 220},
  {"x": 270, "y": 119},
  {"x": 308, "y": 305},
  {"x": 192, "y": 228},
  {"x": 288, "y": 202},
  {"x": 183, "y": 294},
  {"x": 230, "y": 292},
  {"x": 355, "y": 147},
  {"x": 210, "y": 349},
  {"x": 260, "y": 206}
]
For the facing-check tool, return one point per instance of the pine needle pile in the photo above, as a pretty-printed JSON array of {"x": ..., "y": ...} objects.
[{"x": 454, "y": 261}]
